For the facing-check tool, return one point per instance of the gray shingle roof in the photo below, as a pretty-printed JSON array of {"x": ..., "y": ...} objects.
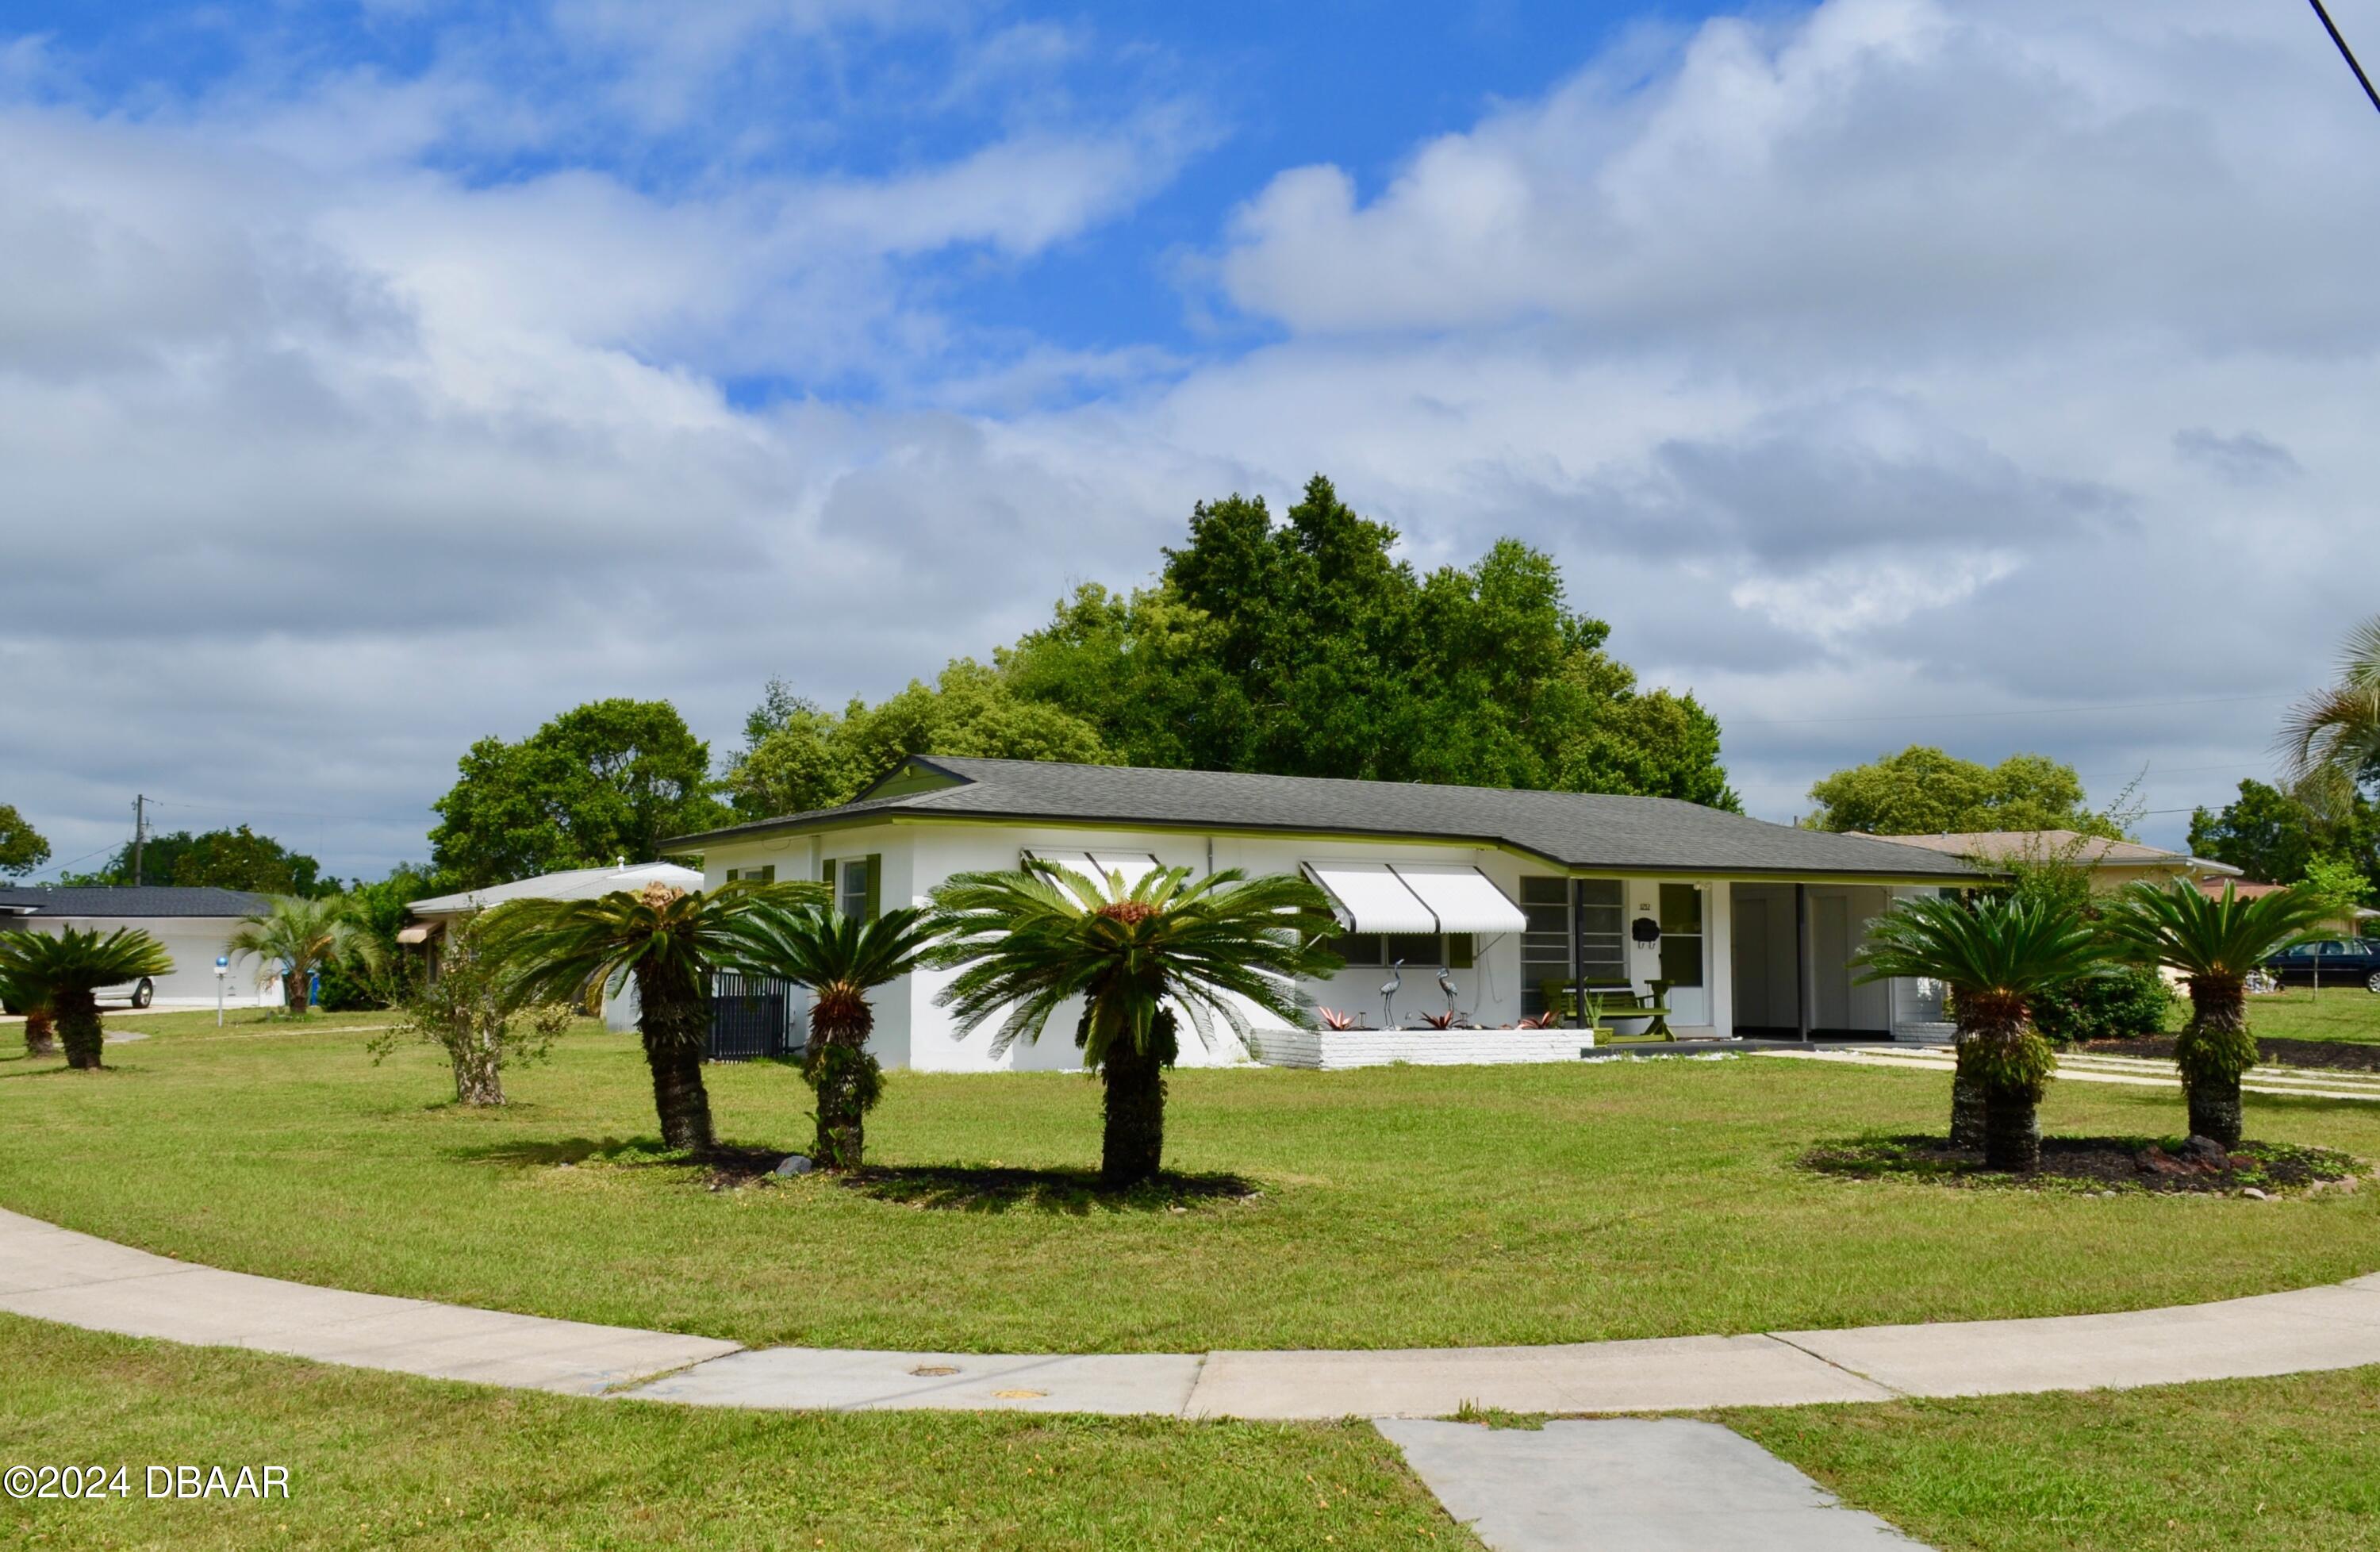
[
  {"x": 148, "y": 901},
  {"x": 1575, "y": 829}
]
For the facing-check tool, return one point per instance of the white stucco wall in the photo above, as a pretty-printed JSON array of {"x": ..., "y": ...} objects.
[{"x": 193, "y": 941}]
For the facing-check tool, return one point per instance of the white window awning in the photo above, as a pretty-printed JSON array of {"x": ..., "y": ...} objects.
[
  {"x": 1463, "y": 898},
  {"x": 1414, "y": 897}
]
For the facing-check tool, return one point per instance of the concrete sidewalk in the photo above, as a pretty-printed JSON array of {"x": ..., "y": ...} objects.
[
  {"x": 2138, "y": 1071},
  {"x": 55, "y": 1274},
  {"x": 1630, "y": 1484}
]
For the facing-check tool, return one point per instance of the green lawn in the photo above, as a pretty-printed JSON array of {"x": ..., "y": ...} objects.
[
  {"x": 2249, "y": 1465},
  {"x": 1400, "y": 1206},
  {"x": 377, "y": 1460},
  {"x": 2341, "y": 1012}
]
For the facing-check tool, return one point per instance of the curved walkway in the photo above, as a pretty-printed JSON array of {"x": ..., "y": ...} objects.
[{"x": 56, "y": 1274}]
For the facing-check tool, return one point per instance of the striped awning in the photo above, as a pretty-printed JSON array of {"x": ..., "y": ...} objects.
[
  {"x": 1414, "y": 897},
  {"x": 1133, "y": 866}
]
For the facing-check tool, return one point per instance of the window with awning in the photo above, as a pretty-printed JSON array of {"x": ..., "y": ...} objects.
[
  {"x": 1133, "y": 866},
  {"x": 1403, "y": 897}
]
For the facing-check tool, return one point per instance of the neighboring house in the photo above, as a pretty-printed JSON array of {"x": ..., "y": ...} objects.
[
  {"x": 433, "y": 915},
  {"x": 2112, "y": 864},
  {"x": 2353, "y": 923},
  {"x": 193, "y": 924},
  {"x": 1751, "y": 924}
]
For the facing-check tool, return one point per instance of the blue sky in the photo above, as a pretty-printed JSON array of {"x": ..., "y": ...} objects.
[{"x": 376, "y": 377}]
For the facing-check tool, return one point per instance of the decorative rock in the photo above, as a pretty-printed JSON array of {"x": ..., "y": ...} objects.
[
  {"x": 2255, "y": 1194},
  {"x": 2206, "y": 1153},
  {"x": 794, "y": 1164}
]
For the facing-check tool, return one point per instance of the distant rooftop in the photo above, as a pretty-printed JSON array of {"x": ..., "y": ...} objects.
[
  {"x": 147, "y": 901},
  {"x": 577, "y": 883},
  {"x": 2089, "y": 851}
]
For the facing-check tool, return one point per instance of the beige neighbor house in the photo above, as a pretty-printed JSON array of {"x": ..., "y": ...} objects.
[
  {"x": 1748, "y": 928},
  {"x": 2112, "y": 864}
]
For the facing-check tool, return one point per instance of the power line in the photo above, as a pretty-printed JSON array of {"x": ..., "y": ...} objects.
[
  {"x": 2025, "y": 711},
  {"x": 2345, "y": 53}
]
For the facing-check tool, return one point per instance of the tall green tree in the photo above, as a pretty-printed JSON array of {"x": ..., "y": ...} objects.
[
  {"x": 2273, "y": 836},
  {"x": 606, "y": 780},
  {"x": 2213, "y": 943},
  {"x": 62, "y": 971},
  {"x": 302, "y": 935},
  {"x": 797, "y": 758},
  {"x": 841, "y": 959},
  {"x": 1139, "y": 956},
  {"x": 668, "y": 941},
  {"x": 22, "y": 848},
  {"x": 1997, "y": 954},
  {"x": 1923, "y": 790},
  {"x": 233, "y": 859}
]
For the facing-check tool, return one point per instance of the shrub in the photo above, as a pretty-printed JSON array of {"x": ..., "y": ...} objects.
[{"x": 2129, "y": 1005}]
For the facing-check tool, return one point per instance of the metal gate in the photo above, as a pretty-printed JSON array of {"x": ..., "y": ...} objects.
[{"x": 751, "y": 1016}]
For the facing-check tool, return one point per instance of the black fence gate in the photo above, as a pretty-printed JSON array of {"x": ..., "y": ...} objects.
[{"x": 751, "y": 1016}]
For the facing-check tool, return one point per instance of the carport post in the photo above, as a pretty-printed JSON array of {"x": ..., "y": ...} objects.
[{"x": 1802, "y": 961}]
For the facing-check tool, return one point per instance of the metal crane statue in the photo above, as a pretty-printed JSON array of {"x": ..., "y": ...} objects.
[
  {"x": 1446, "y": 985},
  {"x": 1389, "y": 989}
]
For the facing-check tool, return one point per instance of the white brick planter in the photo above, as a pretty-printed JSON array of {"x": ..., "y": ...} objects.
[{"x": 1331, "y": 1051}]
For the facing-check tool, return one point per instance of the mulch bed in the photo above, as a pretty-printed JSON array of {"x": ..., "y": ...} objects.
[
  {"x": 2342, "y": 1055},
  {"x": 2098, "y": 1164}
]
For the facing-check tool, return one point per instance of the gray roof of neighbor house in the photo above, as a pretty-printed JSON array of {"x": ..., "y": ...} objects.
[
  {"x": 147, "y": 901},
  {"x": 1587, "y": 830}
]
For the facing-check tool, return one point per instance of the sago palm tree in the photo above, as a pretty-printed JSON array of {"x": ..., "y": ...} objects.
[
  {"x": 668, "y": 941},
  {"x": 41, "y": 1033},
  {"x": 841, "y": 959},
  {"x": 1027, "y": 942},
  {"x": 2338, "y": 728},
  {"x": 60, "y": 971},
  {"x": 1995, "y": 955},
  {"x": 302, "y": 935},
  {"x": 2214, "y": 944}
]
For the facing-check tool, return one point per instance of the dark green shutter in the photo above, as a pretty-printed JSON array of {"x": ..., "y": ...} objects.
[
  {"x": 875, "y": 884},
  {"x": 1458, "y": 950},
  {"x": 826, "y": 877}
]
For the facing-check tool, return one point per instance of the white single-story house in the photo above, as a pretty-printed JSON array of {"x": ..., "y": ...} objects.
[
  {"x": 433, "y": 915},
  {"x": 193, "y": 924},
  {"x": 1751, "y": 926}
]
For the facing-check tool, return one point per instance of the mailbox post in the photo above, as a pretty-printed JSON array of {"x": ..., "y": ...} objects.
[{"x": 222, "y": 969}]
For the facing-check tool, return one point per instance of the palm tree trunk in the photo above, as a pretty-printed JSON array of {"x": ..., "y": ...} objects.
[
  {"x": 1132, "y": 1146},
  {"x": 2213, "y": 1050},
  {"x": 1967, "y": 1100},
  {"x": 843, "y": 1076},
  {"x": 294, "y": 1001},
  {"x": 77, "y": 1013},
  {"x": 674, "y": 1011},
  {"x": 41, "y": 1033},
  {"x": 2012, "y": 1129},
  {"x": 479, "y": 1075}
]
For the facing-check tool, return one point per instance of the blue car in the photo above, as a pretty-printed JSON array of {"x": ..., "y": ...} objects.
[{"x": 2332, "y": 961}]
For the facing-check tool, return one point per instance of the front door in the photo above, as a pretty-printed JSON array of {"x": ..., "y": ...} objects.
[{"x": 1684, "y": 962}]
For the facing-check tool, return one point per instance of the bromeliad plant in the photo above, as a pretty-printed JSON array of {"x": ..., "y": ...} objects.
[
  {"x": 302, "y": 935},
  {"x": 1995, "y": 955},
  {"x": 668, "y": 941},
  {"x": 62, "y": 971},
  {"x": 2215, "y": 944},
  {"x": 1140, "y": 957},
  {"x": 841, "y": 959}
]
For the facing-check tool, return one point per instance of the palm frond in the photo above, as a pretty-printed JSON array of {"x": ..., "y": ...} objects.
[
  {"x": 2182, "y": 928},
  {"x": 40, "y": 965},
  {"x": 2000, "y": 946}
]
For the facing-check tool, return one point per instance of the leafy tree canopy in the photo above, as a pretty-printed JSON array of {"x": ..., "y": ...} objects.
[
  {"x": 1299, "y": 647},
  {"x": 2275, "y": 837},
  {"x": 1923, "y": 790},
  {"x": 22, "y": 848},
  {"x": 606, "y": 780},
  {"x": 235, "y": 859}
]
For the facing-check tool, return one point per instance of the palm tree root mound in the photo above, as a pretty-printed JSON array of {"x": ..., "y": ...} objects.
[
  {"x": 2099, "y": 1165},
  {"x": 996, "y": 1188},
  {"x": 2344, "y": 1056}
]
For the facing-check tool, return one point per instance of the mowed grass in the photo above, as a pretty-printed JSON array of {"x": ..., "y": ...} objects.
[
  {"x": 2345, "y": 1011},
  {"x": 377, "y": 1460},
  {"x": 2256, "y": 1465},
  {"x": 1400, "y": 1207}
]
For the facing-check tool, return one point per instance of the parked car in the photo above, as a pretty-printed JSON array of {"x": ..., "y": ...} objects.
[{"x": 2337, "y": 962}]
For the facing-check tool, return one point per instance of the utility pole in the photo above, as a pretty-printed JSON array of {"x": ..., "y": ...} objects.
[{"x": 139, "y": 832}]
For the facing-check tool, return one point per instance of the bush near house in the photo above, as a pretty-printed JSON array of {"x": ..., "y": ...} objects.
[{"x": 2129, "y": 1004}]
